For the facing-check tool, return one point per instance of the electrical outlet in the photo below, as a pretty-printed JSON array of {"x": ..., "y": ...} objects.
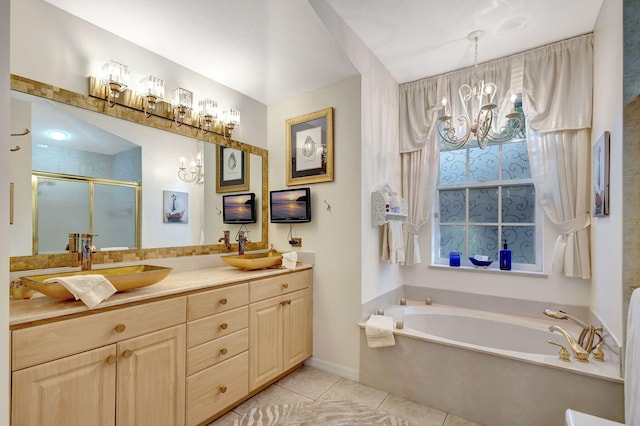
[{"x": 296, "y": 242}]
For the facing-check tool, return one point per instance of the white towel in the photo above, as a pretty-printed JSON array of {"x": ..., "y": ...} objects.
[
  {"x": 91, "y": 289},
  {"x": 289, "y": 260},
  {"x": 393, "y": 242},
  {"x": 379, "y": 330},
  {"x": 632, "y": 363}
]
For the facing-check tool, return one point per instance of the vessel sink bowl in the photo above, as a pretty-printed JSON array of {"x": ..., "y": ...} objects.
[
  {"x": 253, "y": 260},
  {"x": 122, "y": 278}
]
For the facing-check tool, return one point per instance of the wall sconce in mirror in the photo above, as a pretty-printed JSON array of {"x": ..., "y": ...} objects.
[
  {"x": 115, "y": 77},
  {"x": 182, "y": 100},
  {"x": 208, "y": 112},
  {"x": 195, "y": 174},
  {"x": 151, "y": 90}
]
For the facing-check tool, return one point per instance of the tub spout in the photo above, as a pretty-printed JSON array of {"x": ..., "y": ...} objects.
[{"x": 578, "y": 351}]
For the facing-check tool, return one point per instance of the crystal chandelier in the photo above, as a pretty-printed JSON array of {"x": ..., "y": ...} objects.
[{"x": 482, "y": 127}]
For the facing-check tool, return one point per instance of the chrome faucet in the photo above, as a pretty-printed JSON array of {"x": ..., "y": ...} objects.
[
  {"x": 87, "y": 248},
  {"x": 226, "y": 239},
  {"x": 584, "y": 345},
  {"x": 242, "y": 239}
]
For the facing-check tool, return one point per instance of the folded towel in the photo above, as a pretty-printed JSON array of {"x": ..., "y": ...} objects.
[
  {"x": 632, "y": 362},
  {"x": 393, "y": 242},
  {"x": 379, "y": 330},
  {"x": 289, "y": 260},
  {"x": 91, "y": 289}
]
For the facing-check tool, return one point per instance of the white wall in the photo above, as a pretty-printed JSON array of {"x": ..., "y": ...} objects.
[
  {"x": 5, "y": 145},
  {"x": 333, "y": 236},
  {"x": 606, "y": 232}
]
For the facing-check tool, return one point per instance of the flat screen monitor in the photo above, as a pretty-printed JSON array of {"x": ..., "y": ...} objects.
[
  {"x": 290, "y": 205},
  {"x": 239, "y": 208}
]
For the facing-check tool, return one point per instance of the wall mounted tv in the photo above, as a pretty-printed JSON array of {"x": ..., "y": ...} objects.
[
  {"x": 239, "y": 208},
  {"x": 290, "y": 205}
]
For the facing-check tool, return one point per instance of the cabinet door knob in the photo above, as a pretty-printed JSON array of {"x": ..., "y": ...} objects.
[
  {"x": 223, "y": 301},
  {"x": 289, "y": 302},
  {"x": 120, "y": 328},
  {"x": 283, "y": 303},
  {"x": 127, "y": 353},
  {"x": 111, "y": 359},
  {"x": 285, "y": 286},
  {"x": 224, "y": 325},
  {"x": 223, "y": 351},
  {"x": 223, "y": 389}
]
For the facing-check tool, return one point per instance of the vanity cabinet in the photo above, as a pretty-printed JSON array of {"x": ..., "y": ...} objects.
[
  {"x": 217, "y": 344},
  {"x": 120, "y": 367},
  {"x": 280, "y": 325}
]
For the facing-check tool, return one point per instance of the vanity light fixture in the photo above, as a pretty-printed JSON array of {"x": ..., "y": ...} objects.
[
  {"x": 195, "y": 174},
  {"x": 152, "y": 90},
  {"x": 481, "y": 125},
  {"x": 208, "y": 112},
  {"x": 182, "y": 100},
  {"x": 230, "y": 119},
  {"x": 115, "y": 78}
]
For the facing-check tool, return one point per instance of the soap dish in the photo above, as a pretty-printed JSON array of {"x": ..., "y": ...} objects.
[{"x": 483, "y": 263}]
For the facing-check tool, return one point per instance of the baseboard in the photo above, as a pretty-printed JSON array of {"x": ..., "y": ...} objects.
[{"x": 330, "y": 367}]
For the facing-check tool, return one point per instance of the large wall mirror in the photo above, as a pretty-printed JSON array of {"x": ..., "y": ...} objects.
[{"x": 114, "y": 177}]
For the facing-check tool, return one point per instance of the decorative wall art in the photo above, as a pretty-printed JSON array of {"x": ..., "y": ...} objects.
[
  {"x": 600, "y": 173},
  {"x": 310, "y": 148},
  {"x": 233, "y": 170},
  {"x": 176, "y": 207}
]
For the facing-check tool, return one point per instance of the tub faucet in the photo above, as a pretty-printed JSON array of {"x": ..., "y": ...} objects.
[
  {"x": 579, "y": 352},
  {"x": 587, "y": 339},
  {"x": 87, "y": 248},
  {"x": 226, "y": 239}
]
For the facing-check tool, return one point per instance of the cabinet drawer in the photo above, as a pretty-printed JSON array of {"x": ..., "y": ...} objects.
[
  {"x": 55, "y": 340},
  {"x": 217, "y": 387},
  {"x": 214, "y": 326},
  {"x": 282, "y": 284},
  {"x": 216, "y": 301},
  {"x": 215, "y": 351}
]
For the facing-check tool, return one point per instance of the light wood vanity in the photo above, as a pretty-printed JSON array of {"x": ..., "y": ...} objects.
[{"x": 183, "y": 351}]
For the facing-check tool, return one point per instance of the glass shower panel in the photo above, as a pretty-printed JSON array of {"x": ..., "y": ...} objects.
[
  {"x": 114, "y": 216},
  {"x": 63, "y": 208}
]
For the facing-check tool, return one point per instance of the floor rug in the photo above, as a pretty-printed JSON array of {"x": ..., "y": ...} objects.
[{"x": 329, "y": 413}]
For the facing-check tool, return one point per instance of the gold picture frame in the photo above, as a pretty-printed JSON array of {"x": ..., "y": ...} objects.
[
  {"x": 310, "y": 148},
  {"x": 233, "y": 170}
]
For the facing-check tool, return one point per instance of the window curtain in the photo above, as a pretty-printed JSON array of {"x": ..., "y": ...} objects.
[{"x": 557, "y": 101}]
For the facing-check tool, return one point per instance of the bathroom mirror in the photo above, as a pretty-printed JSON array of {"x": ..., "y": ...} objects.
[{"x": 152, "y": 159}]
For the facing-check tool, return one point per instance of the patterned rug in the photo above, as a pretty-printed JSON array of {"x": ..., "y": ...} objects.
[{"x": 329, "y": 413}]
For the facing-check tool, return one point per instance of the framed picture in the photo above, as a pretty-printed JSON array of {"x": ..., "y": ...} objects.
[
  {"x": 310, "y": 148},
  {"x": 175, "y": 207},
  {"x": 233, "y": 170},
  {"x": 600, "y": 173}
]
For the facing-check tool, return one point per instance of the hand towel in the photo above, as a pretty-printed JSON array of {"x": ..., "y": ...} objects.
[
  {"x": 289, "y": 260},
  {"x": 396, "y": 242},
  {"x": 379, "y": 330},
  {"x": 632, "y": 363},
  {"x": 91, "y": 289}
]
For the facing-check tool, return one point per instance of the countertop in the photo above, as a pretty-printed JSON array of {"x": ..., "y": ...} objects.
[{"x": 41, "y": 307}]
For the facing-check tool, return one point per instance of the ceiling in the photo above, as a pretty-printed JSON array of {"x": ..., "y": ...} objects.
[{"x": 272, "y": 50}]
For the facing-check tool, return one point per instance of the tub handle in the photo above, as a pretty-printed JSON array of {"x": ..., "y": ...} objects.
[{"x": 564, "y": 353}]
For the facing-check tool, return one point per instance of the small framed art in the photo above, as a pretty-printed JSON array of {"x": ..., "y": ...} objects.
[{"x": 233, "y": 170}]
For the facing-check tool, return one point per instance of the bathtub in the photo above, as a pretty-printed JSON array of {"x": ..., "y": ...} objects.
[{"x": 492, "y": 368}]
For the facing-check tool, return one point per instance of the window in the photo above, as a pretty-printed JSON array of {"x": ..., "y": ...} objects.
[{"x": 487, "y": 196}]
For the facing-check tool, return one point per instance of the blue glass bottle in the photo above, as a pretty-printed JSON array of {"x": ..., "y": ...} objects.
[
  {"x": 454, "y": 258},
  {"x": 505, "y": 258}
]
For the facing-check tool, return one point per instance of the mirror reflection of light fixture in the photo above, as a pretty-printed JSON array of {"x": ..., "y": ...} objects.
[
  {"x": 195, "y": 174},
  {"x": 182, "y": 100},
  {"x": 151, "y": 89},
  {"x": 208, "y": 112},
  {"x": 57, "y": 135},
  {"x": 230, "y": 119},
  {"x": 482, "y": 126},
  {"x": 115, "y": 77}
]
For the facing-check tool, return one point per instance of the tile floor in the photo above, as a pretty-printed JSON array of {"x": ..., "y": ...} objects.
[{"x": 310, "y": 384}]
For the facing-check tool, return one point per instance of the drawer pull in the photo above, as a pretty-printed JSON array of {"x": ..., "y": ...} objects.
[
  {"x": 223, "y": 301},
  {"x": 285, "y": 286},
  {"x": 127, "y": 354},
  {"x": 284, "y": 302},
  {"x": 223, "y": 351},
  {"x": 111, "y": 359},
  {"x": 224, "y": 326},
  {"x": 120, "y": 328},
  {"x": 223, "y": 389}
]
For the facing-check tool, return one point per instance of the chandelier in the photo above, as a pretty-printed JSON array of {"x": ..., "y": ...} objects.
[{"x": 483, "y": 127}]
